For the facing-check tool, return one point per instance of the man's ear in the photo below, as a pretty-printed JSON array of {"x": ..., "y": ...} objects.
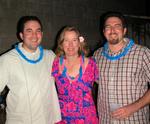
[
  {"x": 21, "y": 35},
  {"x": 125, "y": 31}
]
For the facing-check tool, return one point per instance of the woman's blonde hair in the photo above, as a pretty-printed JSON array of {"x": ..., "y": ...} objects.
[{"x": 83, "y": 44}]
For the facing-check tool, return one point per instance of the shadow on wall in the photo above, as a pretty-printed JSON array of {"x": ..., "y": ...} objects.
[
  {"x": 56, "y": 38},
  {"x": 13, "y": 46}
]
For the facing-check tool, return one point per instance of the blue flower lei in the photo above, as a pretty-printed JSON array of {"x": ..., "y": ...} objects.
[
  {"x": 117, "y": 57},
  {"x": 28, "y": 60},
  {"x": 65, "y": 69}
]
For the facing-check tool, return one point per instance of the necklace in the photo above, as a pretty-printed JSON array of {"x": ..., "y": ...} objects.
[
  {"x": 117, "y": 57},
  {"x": 29, "y": 60},
  {"x": 64, "y": 71}
]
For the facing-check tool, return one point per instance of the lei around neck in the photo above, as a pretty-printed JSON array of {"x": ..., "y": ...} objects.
[
  {"x": 64, "y": 71},
  {"x": 27, "y": 59},
  {"x": 117, "y": 57}
]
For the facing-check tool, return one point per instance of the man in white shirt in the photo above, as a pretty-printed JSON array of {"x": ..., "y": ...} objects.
[{"x": 26, "y": 70}]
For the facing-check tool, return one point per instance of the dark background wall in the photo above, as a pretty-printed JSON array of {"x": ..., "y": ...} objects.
[
  {"x": 84, "y": 14},
  {"x": 56, "y": 13}
]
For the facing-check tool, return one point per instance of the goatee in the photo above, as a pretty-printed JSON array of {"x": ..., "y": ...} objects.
[{"x": 114, "y": 41}]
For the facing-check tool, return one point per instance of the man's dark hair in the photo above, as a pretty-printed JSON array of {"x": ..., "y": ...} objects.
[
  {"x": 23, "y": 20},
  {"x": 107, "y": 15},
  {"x": 114, "y": 14}
]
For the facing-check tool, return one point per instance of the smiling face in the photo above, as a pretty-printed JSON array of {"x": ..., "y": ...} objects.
[
  {"x": 71, "y": 43},
  {"x": 113, "y": 30},
  {"x": 31, "y": 35}
]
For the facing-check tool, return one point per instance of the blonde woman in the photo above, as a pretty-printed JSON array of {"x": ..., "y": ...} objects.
[{"x": 75, "y": 74}]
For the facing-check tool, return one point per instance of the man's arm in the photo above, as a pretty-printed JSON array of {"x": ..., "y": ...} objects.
[{"x": 128, "y": 110}]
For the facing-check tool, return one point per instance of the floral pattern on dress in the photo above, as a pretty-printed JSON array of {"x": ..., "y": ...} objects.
[{"x": 75, "y": 98}]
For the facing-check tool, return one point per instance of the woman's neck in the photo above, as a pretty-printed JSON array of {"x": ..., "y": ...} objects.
[{"x": 72, "y": 59}]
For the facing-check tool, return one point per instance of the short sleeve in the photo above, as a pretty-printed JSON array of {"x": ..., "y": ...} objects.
[
  {"x": 55, "y": 67},
  {"x": 96, "y": 72},
  {"x": 146, "y": 63}
]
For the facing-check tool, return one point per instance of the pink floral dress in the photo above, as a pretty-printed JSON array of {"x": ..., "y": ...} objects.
[{"x": 75, "y": 98}]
